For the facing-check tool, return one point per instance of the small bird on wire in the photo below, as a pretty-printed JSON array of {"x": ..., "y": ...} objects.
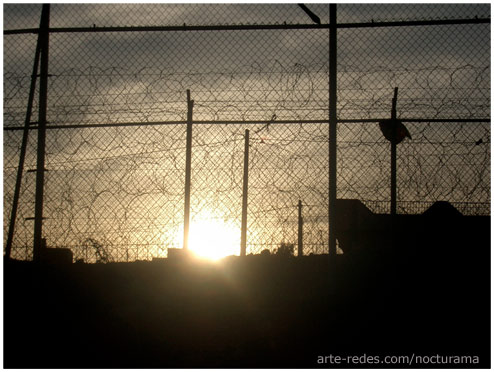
[{"x": 390, "y": 126}]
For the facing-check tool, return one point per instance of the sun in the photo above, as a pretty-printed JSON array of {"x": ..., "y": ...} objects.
[{"x": 213, "y": 239}]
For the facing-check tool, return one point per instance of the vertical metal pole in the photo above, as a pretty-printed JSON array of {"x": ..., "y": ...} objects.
[
  {"x": 245, "y": 191},
  {"x": 22, "y": 155},
  {"x": 393, "y": 155},
  {"x": 300, "y": 230},
  {"x": 188, "y": 159},
  {"x": 393, "y": 178},
  {"x": 44, "y": 34},
  {"x": 332, "y": 127}
]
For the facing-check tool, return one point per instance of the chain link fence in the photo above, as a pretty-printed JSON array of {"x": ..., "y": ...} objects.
[{"x": 115, "y": 144}]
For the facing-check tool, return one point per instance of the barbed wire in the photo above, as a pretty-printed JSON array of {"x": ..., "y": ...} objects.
[
  {"x": 89, "y": 96},
  {"x": 103, "y": 193}
]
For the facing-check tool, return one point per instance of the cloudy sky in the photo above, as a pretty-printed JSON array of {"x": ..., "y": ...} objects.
[{"x": 250, "y": 68}]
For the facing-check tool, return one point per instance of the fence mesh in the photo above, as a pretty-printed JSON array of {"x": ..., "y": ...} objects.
[{"x": 115, "y": 153}]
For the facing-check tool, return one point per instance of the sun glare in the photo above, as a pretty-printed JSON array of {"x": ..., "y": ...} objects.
[{"x": 213, "y": 239}]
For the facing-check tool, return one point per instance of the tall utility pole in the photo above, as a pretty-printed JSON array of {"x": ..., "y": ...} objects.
[
  {"x": 332, "y": 128},
  {"x": 188, "y": 160},
  {"x": 245, "y": 190},
  {"x": 44, "y": 34}
]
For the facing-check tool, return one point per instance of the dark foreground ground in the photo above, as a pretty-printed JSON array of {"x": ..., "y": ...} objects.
[{"x": 253, "y": 312}]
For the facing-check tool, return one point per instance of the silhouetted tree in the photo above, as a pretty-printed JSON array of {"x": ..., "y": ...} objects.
[
  {"x": 265, "y": 252},
  {"x": 285, "y": 249}
]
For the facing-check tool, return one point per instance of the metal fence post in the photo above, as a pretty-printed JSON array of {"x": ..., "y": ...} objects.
[
  {"x": 300, "y": 245},
  {"x": 393, "y": 155},
  {"x": 22, "y": 155},
  {"x": 332, "y": 127},
  {"x": 245, "y": 190},
  {"x": 44, "y": 34},
  {"x": 188, "y": 159}
]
